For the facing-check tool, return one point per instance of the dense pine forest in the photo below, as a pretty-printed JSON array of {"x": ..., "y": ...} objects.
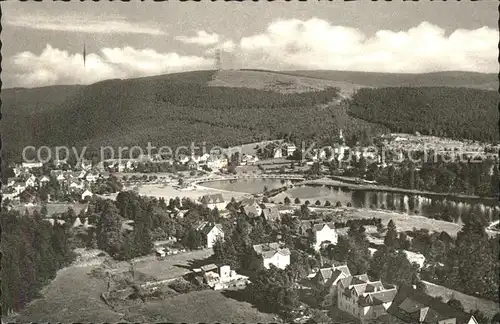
[
  {"x": 440, "y": 111},
  {"x": 32, "y": 252}
]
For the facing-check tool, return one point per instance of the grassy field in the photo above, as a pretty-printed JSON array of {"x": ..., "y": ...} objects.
[
  {"x": 167, "y": 192},
  {"x": 172, "y": 266},
  {"x": 277, "y": 82},
  {"x": 206, "y": 306},
  {"x": 72, "y": 296},
  {"x": 488, "y": 307}
]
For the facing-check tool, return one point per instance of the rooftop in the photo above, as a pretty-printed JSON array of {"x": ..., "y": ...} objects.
[{"x": 410, "y": 304}]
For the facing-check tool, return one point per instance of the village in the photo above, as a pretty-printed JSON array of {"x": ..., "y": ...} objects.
[{"x": 312, "y": 232}]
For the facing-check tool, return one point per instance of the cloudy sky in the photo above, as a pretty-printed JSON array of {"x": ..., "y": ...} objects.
[{"x": 43, "y": 42}]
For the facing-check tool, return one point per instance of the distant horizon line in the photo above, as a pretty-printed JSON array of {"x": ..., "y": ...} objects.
[{"x": 259, "y": 70}]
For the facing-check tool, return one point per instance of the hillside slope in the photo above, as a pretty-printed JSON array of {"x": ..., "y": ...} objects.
[
  {"x": 484, "y": 81},
  {"x": 441, "y": 111},
  {"x": 176, "y": 110},
  {"x": 221, "y": 108},
  {"x": 268, "y": 80}
]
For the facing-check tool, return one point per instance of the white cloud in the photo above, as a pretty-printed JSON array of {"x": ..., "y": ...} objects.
[
  {"x": 316, "y": 44},
  {"x": 227, "y": 46},
  {"x": 83, "y": 24},
  {"x": 202, "y": 38},
  {"x": 54, "y": 66}
]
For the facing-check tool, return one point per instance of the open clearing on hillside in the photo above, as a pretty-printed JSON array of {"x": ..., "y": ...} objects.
[
  {"x": 271, "y": 81},
  {"x": 167, "y": 192},
  {"x": 73, "y": 296},
  {"x": 206, "y": 306},
  {"x": 470, "y": 303},
  {"x": 173, "y": 266}
]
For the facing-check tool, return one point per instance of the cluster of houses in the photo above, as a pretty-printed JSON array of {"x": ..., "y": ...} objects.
[
  {"x": 416, "y": 142},
  {"x": 219, "y": 278},
  {"x": 193, "y": 162},
  {"x": 369, "y": 300},
  {"x": 71, "y": 181},
  {"x": 338, "y": 151}
]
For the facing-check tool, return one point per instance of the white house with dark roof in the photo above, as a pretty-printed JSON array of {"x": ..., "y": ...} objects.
[
  {"x": 271, "y": 253},
  {"x": 31, "y": 181},
  {"x": 324, "y": 233},
  {"x": 210, "y": 232},
  {"x": 87, "y": 194},
  {"x": 44, "y": 180},
  {"x": 364, "y": 299}
]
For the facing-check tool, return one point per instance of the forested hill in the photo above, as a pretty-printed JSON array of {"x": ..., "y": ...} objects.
[
  {"x": 224, "y": 108},
  {"x": 174, "y": 110},
  {"x": 441, "y": 111}
]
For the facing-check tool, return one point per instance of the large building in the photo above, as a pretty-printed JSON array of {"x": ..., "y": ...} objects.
[
  {"x": 364, "y": 299},
  {"x": 329, "y": 277},
  {"x": 412, "y": 306},
  {"x": 271, "y": 253}
]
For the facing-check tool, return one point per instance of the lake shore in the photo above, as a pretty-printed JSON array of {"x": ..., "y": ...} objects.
[{"x": 374, "y": 187}]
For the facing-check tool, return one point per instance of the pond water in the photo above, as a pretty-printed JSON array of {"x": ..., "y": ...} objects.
[{"x": 418, "y": 204}]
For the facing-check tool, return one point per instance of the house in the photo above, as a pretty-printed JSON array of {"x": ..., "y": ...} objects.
[
  {"x": 271, "y": 213},
  {"x": 217, "y": 162},
  {"x": 202, "y": 159},
  {"x": 412, "y": 306},
  {"x": 364, "y": 299},
  {"x": 290, "y": 149},
  {"x": 248, "y": 159},
  {"x": 31, "y": 181},
  {"x": 87, "y": 195},
  {"x": 44, "y": 180},
  {"x": 18, "y": 170},
  {"x": 76, "y": 185},
  {"x": 271, "y": 253},
  {"x": 183, "y": 159},
  {"x": 127, "y": 226},
  {"x": 160, "y": 252},
  {"x": 210, "y": 275},
  {"x": 210, "y": 232},
  {"x": 213, "y": 201},
  {"x": 192, "y": 165},
  {"x": 278, "y": 152},
  {"x": 329, "y": 277},
  {"x": 92, "y": 176},
  {"x": 250, "y": 207},
  {"x": 11, "y": 182},
  {"x": 230, "y": 279},
  {"x": 324, "y": 233}
]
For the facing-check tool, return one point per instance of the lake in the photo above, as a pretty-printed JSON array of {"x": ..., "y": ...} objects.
[{"x": 417, "y": 204}]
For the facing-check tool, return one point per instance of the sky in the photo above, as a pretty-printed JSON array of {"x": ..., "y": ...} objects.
[{"x": 43, "y": 42}]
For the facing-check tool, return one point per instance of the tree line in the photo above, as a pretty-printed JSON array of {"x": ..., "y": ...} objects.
[
  {"x": 32, "y": 252},
  {"x": 441, "y": 111}
]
